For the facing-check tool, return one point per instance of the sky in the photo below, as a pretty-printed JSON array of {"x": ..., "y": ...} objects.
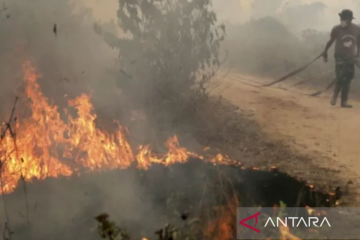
[{"x": 243, "y": 10}]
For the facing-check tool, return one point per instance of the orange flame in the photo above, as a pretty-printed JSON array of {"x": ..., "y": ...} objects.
[
  {"x": 223, "y": 226},
  {"x": 48, "y": 146}
]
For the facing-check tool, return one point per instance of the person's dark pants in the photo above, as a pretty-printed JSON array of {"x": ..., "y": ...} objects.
[{"x": 345, "y": 72}]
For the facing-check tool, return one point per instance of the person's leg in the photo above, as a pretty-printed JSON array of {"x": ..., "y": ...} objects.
[
  {"x": 335, "y": 95},
  {"x": 349, "y": 73},
  {"x": 339, "y": 71}
]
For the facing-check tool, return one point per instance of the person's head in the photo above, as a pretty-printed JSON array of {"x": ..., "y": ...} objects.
[{"x": 346, "y": 17}]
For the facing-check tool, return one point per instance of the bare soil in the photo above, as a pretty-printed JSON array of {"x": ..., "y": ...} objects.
[{"x": 306, "y": 136}]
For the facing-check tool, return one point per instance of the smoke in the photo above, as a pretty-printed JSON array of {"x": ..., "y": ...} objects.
[
  {"x": 279, "y": 36},
  {"x": 65, "y": 208},
  {"x": 71, "y": 59},
  {"x": 58, "y": 38},
  {"x": 299, "y": 14}
]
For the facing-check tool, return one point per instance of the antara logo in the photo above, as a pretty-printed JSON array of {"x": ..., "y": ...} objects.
[{"x": 242, "y": 222}]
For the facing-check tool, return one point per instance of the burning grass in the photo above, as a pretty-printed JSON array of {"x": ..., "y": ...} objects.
[
  {"x": 71, "y": 170},
  {"x": 47, "y": 146}
]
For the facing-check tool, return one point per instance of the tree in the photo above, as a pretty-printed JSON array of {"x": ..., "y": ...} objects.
[{"x": 168, "y": 51}]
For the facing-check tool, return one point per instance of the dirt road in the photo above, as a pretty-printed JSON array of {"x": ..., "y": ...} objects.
[{"x": 330, "y": 135}]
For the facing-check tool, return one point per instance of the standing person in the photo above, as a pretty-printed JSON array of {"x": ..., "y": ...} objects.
[{"x": 346, "y": 36}]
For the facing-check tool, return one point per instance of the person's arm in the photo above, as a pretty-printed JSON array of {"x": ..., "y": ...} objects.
[
  {"x": 358, "y": 45},
  {"x": 329, "y": 43}
]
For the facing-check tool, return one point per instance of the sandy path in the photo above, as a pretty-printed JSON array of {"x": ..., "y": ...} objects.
[{"x": 330, "y": 135}]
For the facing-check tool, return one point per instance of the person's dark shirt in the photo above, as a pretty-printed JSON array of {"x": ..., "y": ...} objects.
[{"x": 346, "y": 39}]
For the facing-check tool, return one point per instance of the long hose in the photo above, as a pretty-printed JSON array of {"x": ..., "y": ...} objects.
[{"x": 292, "y": 73}]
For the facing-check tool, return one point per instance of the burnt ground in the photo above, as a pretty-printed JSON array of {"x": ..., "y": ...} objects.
[
  {"x": 307, "y": 137},
  {"x": 141, "y": 201}
]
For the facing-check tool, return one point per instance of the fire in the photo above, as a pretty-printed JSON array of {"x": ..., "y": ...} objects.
[
  {"x": 309, "y": 210},
  {"x": 223, "y": 226},
  {"x": 46, "y": 145},
  {"x": 286, "y": 234},
  {"x": 175, "y": 154}
]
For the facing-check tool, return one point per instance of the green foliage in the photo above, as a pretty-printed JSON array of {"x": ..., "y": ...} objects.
[
  {"x": 168, "y": 51},
  {"x": 167, "y": 233},
  {"x": 282, "y": 211},
  {"x": 109, "y": 230}
]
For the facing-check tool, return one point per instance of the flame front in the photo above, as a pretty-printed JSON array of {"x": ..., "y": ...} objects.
[{"x": 45, "y": 145}]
